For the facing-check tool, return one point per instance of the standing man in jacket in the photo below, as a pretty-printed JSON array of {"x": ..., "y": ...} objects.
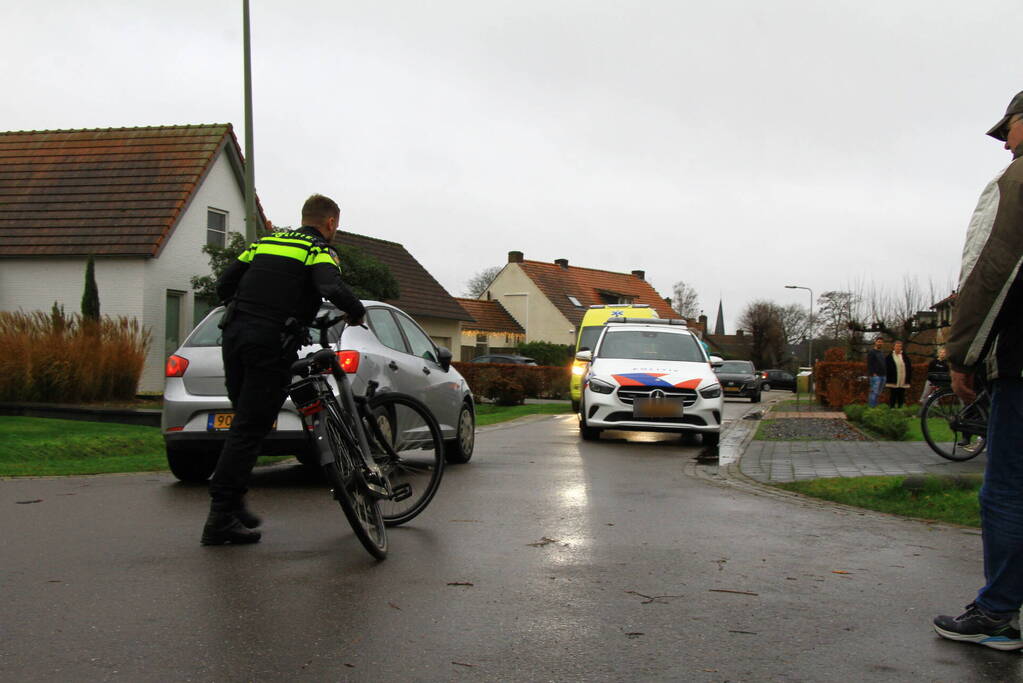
[
  {"x": 876, "y": 370},
  {"x": 273, "y": 292},
  {"x": 986, "y": 329}
]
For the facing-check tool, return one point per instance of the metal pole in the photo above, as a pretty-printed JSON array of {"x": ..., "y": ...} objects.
[
  {"x": 809, "y": 336},
  {"x": 250, "y": 155}
]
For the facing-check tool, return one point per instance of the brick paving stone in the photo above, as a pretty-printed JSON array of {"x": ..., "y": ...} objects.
[{"x": 778, "y": 461}]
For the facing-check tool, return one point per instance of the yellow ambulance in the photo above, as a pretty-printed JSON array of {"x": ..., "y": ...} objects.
[{"x": 590, "y": 328}]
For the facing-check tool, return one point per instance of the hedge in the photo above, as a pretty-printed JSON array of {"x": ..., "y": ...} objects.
[
  {"x": 839, "y": 383},
  {"x": 510, "y": 384}
]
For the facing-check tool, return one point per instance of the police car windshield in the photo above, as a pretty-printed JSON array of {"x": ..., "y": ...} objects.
[{"x": 651, "y": 345}]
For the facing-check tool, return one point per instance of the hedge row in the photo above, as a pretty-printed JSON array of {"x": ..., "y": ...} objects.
[
  {"x": 881, "y": 419},
  {"x": 511, "y": 384},
  {"x": 839, "y": 383}
]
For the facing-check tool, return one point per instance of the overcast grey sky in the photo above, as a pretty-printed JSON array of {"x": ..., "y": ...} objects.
[{"x": 739, "y": 146}]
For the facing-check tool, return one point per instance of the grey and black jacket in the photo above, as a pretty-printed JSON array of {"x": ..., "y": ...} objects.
[{"x": 987, "y": 325}]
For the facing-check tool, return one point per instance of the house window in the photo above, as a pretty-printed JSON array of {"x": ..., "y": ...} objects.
[{"x": 216, "y": 228}]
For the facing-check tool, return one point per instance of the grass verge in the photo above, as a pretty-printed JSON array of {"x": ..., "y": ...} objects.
[
  {"x": 488, "y": 413},
  {"x": 940, "y": 499},
  {"x": 36, "y": 446}
]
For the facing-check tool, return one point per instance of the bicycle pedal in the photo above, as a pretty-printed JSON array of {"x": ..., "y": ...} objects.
[
  {"x": 401, "y": 492},
  {"x": 377, "y": 490}
]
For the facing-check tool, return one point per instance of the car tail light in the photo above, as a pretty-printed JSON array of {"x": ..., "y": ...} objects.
[
  {"x": 176, "y": 366},
  {"x": 349, "y": 361}
]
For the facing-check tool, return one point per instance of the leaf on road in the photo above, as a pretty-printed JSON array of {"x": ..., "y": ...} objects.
[
  {"x": 725, "y": 590},
  {"x": 393, "y": 606},
  {"x": 28, "y": 502},
  {"x": 840, "y": 571},
  {"x": 542, "y": 542},
  {"x": 460, "y": 583},
  {"x": 653, "y": 598},
  {"x": 462, "y": 664}
]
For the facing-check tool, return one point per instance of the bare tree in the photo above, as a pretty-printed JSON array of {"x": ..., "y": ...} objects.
[
  {"x": 835, "y": 311},
  {"x": 479, "y": 282},
  {"x": 685, "y": 300},
  {"x": 795, "y": 321},
  {"x": 764, "y": 321}
]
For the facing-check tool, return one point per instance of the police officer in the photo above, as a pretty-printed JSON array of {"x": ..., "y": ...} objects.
[{"x": 274, "y": 288}]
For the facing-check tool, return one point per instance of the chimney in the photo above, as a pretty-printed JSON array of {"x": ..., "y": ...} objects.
[
  {"x": 514, "y": 257},
  {"x": 563, "y": 262},
  {"x": 738, "y": 333},
  {"x": 641, "y": 274}
]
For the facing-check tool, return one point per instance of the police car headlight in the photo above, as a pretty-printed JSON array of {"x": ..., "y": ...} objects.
[
  {"x": 711, "y": 391},
  {"x": 600, "y": 387}
]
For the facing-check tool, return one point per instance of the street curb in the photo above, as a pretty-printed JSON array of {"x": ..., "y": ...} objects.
[{"x": 141, "y": 417}]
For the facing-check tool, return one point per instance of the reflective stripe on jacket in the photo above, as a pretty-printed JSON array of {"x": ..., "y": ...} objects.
[{"x": 286, "y": 275}]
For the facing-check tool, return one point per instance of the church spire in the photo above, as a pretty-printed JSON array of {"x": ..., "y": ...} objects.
[{"x": 719, "y": 326}]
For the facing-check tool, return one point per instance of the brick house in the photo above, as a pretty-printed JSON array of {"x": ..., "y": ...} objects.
[
  {"x": 548, "y": 300},
  {"x": 142, "y": 201}
]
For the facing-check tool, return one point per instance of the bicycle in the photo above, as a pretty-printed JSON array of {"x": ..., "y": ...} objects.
[
  {"x": 967, "y": 424},
  {"x": 381, "y": 453}
]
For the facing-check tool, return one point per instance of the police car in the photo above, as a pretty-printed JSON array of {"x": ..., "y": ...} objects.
[{"x": 649, "y": 375}]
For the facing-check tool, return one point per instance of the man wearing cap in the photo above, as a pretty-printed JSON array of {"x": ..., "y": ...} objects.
[{"x": 987, "y": 329}]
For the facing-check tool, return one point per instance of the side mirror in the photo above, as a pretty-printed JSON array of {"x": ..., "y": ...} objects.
[
  {"x": 585, "y": 356},
  {"x": 716, "y": 361},
  {"x": 444, "y": 358}
]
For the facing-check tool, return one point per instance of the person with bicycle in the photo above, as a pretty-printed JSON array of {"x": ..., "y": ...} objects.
[
  {"x": 273, "y": 292},
  {"x": 986, "y": 329}
]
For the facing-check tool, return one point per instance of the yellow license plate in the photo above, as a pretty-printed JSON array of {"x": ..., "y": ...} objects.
[
  {"x": 733, "y": 388},
  {"x": 219, "y": 422}
]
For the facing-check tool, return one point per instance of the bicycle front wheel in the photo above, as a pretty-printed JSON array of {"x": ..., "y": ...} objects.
[
  {"x": 940, "y": 423},
  {"x": 343, "y": 474},
  {"x": 406, "y": 443}
]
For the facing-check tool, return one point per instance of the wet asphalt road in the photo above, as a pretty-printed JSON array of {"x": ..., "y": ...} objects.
[{"x": 545, "y": 558}]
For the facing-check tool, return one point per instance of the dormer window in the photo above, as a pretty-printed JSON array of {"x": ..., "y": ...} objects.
[{"x": 575, "y": 302}]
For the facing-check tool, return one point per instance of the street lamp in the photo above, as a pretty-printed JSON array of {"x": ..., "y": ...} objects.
[{"x": 809, "y": 336}]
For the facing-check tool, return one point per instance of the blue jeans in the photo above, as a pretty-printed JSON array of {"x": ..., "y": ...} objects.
[
  {"x": 876, "y": 385},
  {"x": 1001, "y": 501}
]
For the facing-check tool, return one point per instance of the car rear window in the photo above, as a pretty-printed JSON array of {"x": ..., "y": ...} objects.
[
  {"x": 736, "y": 367},
  {"x": 651, "y": 345},
  {"x": 207, "y": 333}
]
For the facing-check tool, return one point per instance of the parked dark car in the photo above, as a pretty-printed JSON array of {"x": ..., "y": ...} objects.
[
  {"x": 739, "y": 379},
  {"x": 777, "y": 379},
  {"x": 505, "y": 358}
]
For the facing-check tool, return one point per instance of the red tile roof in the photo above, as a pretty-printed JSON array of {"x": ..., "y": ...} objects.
[
  {"x": 103, "y": 191},
  {"x": 491, "y": 316},
  {"x": 586, "y": 285},
  {"x": 420, "y": 294}
]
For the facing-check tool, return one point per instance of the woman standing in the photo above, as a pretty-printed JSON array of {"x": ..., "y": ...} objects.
[{"x": 900, "y": 374}]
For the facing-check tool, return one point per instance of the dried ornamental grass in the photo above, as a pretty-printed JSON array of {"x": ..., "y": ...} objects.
[{"x": 59, "y": 358}]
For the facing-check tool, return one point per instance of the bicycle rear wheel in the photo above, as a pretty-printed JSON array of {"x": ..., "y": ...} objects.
[
  {"x": 940, "y": 423},
  {"x": 406, "y": 443},
  {"x": 360, "y": 507}
]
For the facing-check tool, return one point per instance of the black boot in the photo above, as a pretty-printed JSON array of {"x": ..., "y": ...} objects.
[
  {"x": 248, "y": 519},
  {"x": 226, "y": 527}
]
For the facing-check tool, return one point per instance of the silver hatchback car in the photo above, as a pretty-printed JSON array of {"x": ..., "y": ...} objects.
[{"x": 394, "y": 352}]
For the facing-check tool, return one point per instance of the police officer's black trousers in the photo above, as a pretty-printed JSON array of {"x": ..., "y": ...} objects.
[{"x": 257, "y": 373}]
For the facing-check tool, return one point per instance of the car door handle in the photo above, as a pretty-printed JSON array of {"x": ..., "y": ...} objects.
[
  {"x": 426, "y": 370},
  {"x": 392, "y": 365}
]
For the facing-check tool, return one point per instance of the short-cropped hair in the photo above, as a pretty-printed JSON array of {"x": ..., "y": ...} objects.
[{"x": 319, "y": 208}]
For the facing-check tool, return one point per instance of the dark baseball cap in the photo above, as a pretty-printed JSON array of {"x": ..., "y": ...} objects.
[{"x": 1015, "y": 107}]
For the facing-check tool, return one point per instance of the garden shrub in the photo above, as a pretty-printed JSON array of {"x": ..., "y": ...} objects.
[
  {"x": 59, "y": 358},
  {"x": 893, "y": 424},
  {"x": 839, "y": 383},
  {"x": 534, "y": 381},
  {"x": 547, "y": 353}
]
